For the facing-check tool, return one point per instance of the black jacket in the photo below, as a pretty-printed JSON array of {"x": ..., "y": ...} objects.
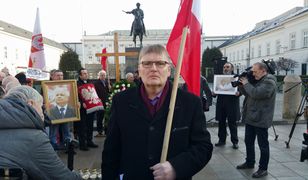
[
  {"x": 102, "y": 90},
  {"x": 134, "y": 139}
]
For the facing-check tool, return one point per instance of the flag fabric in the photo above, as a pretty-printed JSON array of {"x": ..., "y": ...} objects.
[
  {"x": 188, "y": 15},
  {"x": 90, "y": 98},
  {"x": 104, "y": 60},
  {"x": 37, "y": 56}
]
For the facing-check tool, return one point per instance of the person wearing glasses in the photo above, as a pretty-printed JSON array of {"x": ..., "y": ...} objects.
[{"x": 135, "y": 135}]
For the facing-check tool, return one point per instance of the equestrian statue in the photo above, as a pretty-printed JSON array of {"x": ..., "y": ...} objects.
[{"x": 138, "y": 28}]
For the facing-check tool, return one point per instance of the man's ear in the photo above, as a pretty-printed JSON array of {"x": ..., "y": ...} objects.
[{"x": 30, "y": 102}]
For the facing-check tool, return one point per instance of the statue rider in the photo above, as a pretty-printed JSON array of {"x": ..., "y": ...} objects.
[{"x": 138, "y": 13}]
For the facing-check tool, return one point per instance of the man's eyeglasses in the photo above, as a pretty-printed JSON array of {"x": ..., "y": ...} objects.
[{"x": 158, "y": 64}]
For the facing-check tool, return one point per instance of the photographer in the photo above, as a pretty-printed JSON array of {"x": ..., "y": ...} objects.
[
  {"x": 258, "y": 112},
  {"x": 227, "y": 107}
]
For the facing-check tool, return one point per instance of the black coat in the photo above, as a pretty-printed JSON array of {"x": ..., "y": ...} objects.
[
  {"x": 102, "y": 90},
  {"x": 229, "y": 105},
  {"x": 134, "y": 139}
]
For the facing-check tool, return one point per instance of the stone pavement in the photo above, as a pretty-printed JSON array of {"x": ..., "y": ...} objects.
[{"x": 284, "y": 163}]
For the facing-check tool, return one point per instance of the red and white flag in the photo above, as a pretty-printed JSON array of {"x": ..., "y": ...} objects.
[
  {"x": 37, "y": 56},
  {"x": 189, "y": 15},
  {"x": 104, "y": 60}
]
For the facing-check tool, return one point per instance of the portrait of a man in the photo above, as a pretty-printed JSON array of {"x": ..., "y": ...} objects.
[
  {"x": 61, "y": 101},
  {"x": 61, "y": 109},
  {"x": 222, "y": 84}
]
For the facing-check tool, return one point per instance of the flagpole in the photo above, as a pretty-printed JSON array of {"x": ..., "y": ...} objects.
[{"x": 163, "y": 157}]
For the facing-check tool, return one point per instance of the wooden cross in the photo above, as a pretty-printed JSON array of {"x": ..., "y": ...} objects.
[{"x": 117, "y": 54}]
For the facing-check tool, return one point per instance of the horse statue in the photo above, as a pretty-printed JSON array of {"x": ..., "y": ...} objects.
[{"x": 138, "y": 28}]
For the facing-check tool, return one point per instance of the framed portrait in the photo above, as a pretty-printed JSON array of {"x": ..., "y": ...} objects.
[
  {"x": 222, "y": 84},
  {"x": 61, "y": 101}
]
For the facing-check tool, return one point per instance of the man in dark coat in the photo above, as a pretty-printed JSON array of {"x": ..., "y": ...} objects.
[
  {"x": 228, "y": 107},
  {"x": 135, "y": 135},
  {"x": 102, "y": 90},
  {"x": 258, "y": 113},
  {"x": 84, "y": 127}
]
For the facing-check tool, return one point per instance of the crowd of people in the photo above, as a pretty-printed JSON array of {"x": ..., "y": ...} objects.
[{"x": 135, "y": 134}]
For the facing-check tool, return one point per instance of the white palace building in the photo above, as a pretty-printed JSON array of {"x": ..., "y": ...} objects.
[
  {"x": 92, "y": 44},
  {"x": 284, "y": 36}
]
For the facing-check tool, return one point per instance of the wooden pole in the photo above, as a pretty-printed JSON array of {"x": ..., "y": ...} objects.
[
  {"x": 163, "y": 157},
  {"x": 116, "y": 50}
]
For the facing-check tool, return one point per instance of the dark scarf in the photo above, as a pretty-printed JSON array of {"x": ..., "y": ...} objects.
[{"x": 154, "y": 108}]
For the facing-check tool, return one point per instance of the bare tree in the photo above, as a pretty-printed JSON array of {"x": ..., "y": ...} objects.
[{"x": 286, "y": 64}]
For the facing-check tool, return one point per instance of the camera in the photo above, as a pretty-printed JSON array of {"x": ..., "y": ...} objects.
[
  {"x": 247, "y": 73},
  {"x": 270, "y": 64}
]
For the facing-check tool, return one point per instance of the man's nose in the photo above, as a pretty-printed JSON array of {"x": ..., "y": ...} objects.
[{"x": 154, "y": 66}]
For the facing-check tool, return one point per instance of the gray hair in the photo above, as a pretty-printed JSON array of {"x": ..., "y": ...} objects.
[
  {"x": 9, "y": 79},
  {"x": 11, "y": 85},
  {"x": 24, "y": 93},
  {"x": 62, "y": 90},
  {"x": 156, "y": 49},
  {"x": 101, "y": 72},
  {"x": 261, "y": 65},
  {"x": 129, "y": 74}
]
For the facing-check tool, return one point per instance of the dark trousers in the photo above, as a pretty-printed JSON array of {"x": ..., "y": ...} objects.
[
  {"x": 100, "y": 120},
  {"x": 84, "y": 128},
  {"x": 251, "y": 132},
  {"x": 222, "y": 129}
]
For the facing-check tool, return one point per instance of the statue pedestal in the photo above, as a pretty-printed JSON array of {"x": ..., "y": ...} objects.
[
  {"x": 292, "y": 98},
  {"x": 131, "y": 63}
]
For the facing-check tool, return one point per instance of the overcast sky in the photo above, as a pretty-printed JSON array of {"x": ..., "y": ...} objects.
[{"x": 65, "y": 20}]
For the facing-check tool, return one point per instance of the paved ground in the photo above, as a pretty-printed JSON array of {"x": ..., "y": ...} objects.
[{"x": 284, "y": 163}]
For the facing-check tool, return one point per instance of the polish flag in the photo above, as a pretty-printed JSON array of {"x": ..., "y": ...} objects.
[
  {"x": 104, "y": 60},
  {"x": 189, "y": 15},
  {"x": 37, "y": 56}
]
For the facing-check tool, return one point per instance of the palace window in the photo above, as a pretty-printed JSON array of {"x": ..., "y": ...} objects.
[
  {"x": 252, "y": 52},
  {"x": 292, "y": 40},
  {"x": 305, "y": 40},
  {"x": 247, "y": 53},
  {"x": 278, "y": 46},
  {"x": 268, "y": 49},
  {"x": 5, "y": 52},
  {"x": 242, "y": 54},
  {"x": 259, "y": 51}
]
